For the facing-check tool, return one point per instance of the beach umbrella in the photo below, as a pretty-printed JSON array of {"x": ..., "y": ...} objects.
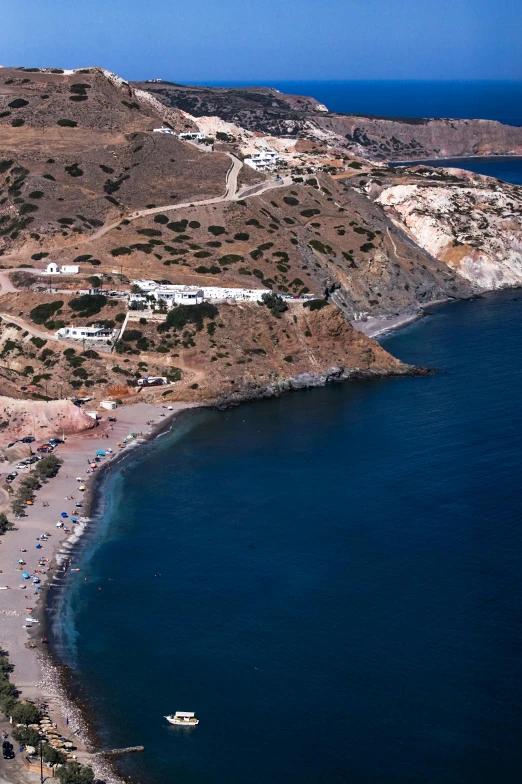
[
  {"x": 29, "y": 503},
  {"x": 69, "y": 745},
  {"x": 100, "y": 452},
  {"x": 81, "y": 487},
  {"x": 74, "y": 519},
  {"x": 38, "y": 546},
  {"x": 64, "y": 514},
  {"x": 25, "y": 575},
  {"x": 20, "y": 561}
]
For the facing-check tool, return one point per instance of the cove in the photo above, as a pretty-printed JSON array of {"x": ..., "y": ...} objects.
[{"x": 330, "y": 580}]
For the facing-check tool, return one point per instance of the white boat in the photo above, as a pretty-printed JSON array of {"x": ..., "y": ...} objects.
[{"x": 182, "y": 718}]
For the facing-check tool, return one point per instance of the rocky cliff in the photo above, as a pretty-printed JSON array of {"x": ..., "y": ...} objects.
[{"x": 469, "y": 222}]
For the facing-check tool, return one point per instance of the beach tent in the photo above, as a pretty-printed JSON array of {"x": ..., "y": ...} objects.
[{"x": 38, "y": 546}]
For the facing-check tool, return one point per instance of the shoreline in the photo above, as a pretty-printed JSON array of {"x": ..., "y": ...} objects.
[{"x": 38, "y": 674}]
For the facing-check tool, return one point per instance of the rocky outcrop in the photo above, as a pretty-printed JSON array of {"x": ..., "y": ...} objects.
[
  {"x": 388, "y": 139},
  {"x": 19, "y": 418},
  {"x": 474, "y": 226},
  {"x": 309, "y": 380}
]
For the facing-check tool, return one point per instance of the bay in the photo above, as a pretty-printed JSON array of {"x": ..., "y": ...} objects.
[{"x": 332, "y": 580}]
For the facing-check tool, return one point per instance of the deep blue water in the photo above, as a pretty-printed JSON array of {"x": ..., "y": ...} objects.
[
  {"x": 487, "y": 100},
  {"x": 331, "y": 580},
  {"x": 508, "y": 169}
]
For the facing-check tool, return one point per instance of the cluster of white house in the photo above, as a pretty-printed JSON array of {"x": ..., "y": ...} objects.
[
  {"x": 177, "y": 294},
  {"x": 262, "y": 161}
]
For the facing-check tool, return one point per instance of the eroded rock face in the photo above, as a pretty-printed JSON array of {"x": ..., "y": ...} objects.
[
  {"x": 19, "y": 418},
  {"x": 475, "y": 228}
]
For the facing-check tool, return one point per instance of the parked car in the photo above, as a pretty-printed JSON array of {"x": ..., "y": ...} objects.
[
  {"x": 12, "y": 476},
  {"x": 28, "y": 440},
  {"x": 7, "y": 750},
  {"x": 11, "y": 444},
  {"x": 45, "y": 449},
  {"x": 21, "y": 466},
  {"x": 55, "y": 441}
]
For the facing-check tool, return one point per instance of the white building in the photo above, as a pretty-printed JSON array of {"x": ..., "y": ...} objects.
[
  {"x": 240, "y": 295},
  {"x": 66, "y": 269},
  {"x": 192, "y": 135},
  {"x": 164, "y": 130},
  {"x": 261, "y": 161},
  {"x": 175, "y": 294},
  {"x": 179, "y": 295},
  {"x": 85, "y": 333},
  {"x": 145, "y": 285}
]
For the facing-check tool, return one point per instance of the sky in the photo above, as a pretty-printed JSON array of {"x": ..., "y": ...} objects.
[{"x": 256, "y": 40}]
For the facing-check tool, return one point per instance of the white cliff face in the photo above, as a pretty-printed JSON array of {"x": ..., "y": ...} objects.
[{"x": 476, "y": 229}]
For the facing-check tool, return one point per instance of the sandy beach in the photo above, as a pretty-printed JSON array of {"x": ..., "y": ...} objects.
[
  {"x": 374, "y": 326},
  {"x": 33, "y": 674}
]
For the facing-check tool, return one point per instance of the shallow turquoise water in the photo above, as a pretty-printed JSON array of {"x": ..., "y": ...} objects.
[{"x": 331, "y": 580}]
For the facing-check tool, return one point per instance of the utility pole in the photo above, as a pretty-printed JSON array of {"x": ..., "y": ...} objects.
[{"x": 41, "y": 763}]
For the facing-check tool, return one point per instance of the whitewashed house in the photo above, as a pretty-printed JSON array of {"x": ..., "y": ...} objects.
[
  {"x": 164, "y": 130},
  {"x": 66, "y": 269},
  {"x": 240, "y": 295},
  {"x": 263, "y": 160},
  {"x": 192, "y": 135},
  {"x": 85, "y": 333},
  {"x": 178, "y": 295}
]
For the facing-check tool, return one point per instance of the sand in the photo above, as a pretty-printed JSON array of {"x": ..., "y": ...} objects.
[
  {"x": 19, "y": 600},
  {"x": 380, "y": 325}
]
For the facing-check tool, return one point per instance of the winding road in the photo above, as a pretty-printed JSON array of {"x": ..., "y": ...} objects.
[{"x": 232, "y": 193}]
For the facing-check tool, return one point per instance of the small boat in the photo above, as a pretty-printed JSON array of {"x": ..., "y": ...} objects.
[{"x": 182, "y": 718}]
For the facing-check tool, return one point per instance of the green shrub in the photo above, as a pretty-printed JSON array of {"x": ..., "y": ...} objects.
[
  {"x": 242, "y": 236},
  {"x": 150, "y": 232},
  {"x": 74, "y": 170},
  {"x": 318, "y": 246},
  {"x": 193, "y": 224},
  {"x": 367, "y": 246},
  {"x": 291, "y": 201},
  {"x": 67, "y": 123},
  {"x": 163, "y": 219},
  {"x": 310, "y": 213},
  {"x": 17, "y": 103},
  {"x": 217, "y": 230},
  {"x": 230, "y": 258},
  {"x": 48, "y": 466},
  {"x": 122, "y": 251},
  {"x": 180, "y": 316},
  {"x": 132, "y": 334},
  {"x": 42, "y": 313},
  {"x": 88, "y": 304},
  {"x": 275, "y": 304},
  {"x": 18, "y": 122},
  {"x": 178, "y": 226}
]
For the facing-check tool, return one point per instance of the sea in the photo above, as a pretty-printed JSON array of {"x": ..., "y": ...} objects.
[{"x": 331, "y": 580}]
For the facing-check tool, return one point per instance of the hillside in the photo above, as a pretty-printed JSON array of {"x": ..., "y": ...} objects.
[
  {"x": 104, "y": 192},
  {"x": 376, "y": 138}
]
